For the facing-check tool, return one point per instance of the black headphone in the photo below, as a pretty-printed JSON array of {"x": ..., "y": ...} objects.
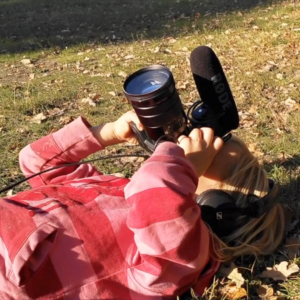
[{"x": 220, "y": 212}]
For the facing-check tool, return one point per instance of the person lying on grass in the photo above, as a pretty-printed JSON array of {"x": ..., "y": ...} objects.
[{"x": 80, "y": 234}]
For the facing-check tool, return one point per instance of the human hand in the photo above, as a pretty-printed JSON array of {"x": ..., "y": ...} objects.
[
  {"x": 200, "y": 148},
  {"x": 119, "y": 131},
  {"x": 122, "y": 130}
]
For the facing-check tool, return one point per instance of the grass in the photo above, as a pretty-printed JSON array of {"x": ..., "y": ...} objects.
[{"x": 78, "y": 52}]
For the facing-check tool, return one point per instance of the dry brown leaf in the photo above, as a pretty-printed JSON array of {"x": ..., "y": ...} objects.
[
  {"x": 146, "y": 42},
  {"x": 122, "y": 74},
  {"x": 130, "y": 56},
  {"x": 10, "y": 193},
  {"x": 287, "y": 270},
  {"x": 88, "y": 101},
  {"x": 290, "y": 102},
  {"x": 264, "y": 291},
  {"x": 172, "y": 40},
  {"x": 94, "y": 96},
  {"x": 232, "y": 273},
  {"x": 39, "y": 118},
  {"x": 55, "y": 112},
  {"x": 167, "y": 51},
  {"x": 26, "y": 61},
  {"x": 255, "y": 150},
  {"x": 232, "y": 292},
  {"x": 280, "y": 272},
  {"x": 65, "y": 120},
  {"x": 246, "y": 120},
  {"x": 236, "y": 277},
  {"x": 267, "y": 293},
  {"x": 182, "y": 85}
]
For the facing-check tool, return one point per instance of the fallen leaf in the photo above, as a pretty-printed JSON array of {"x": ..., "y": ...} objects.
[
  {"x": 266, "y": 293},
  {"x": 232, "y": 273},
  {"x": 172, "y": 40},
  {"x": 255, "y": 150},
  {"x": 88, "y": 101},
  {"x": 122, "y": 74},
  {"x": 26, "y": 61},
  {"x": 146, "y": 42},
  {"x": 130, "y": 56},
  {"x": 236, "y": 277},
  {"x": 232, "y": 292},
  {"x": 182, "y": 85},
  {"x": 289, "y": 102},
  {"x": 269, "y": 67},
  {"x": 9, "y": 193},
  {"x": 65, "y": 120},
  {"x": 280, "y": 272},
  {"x": 39, "y": 118},
  {"x": 55, "y": 111},
  {"x": 94, "y": 96}
]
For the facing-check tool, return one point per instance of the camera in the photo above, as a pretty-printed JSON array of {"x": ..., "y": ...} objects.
[{"x": 152, "y": 93}]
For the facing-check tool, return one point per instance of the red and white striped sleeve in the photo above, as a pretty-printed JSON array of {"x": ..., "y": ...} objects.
[
  {"x": 72, "y": 143},
  {"x": 171, "y": 239}
]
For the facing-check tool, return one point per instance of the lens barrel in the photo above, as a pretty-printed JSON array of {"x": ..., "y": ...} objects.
[{"x": 152, "y": 94}]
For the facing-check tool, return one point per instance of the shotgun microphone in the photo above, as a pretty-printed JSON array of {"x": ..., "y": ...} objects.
[{"x": 217, "y": 103}]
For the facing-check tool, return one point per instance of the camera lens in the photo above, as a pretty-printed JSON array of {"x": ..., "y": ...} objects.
[
  {"x": 146, "y": 83},
  {"x": 152, "y": 93}
]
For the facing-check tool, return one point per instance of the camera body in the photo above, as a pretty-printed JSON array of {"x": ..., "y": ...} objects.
[{"x": 153, "y": 95}]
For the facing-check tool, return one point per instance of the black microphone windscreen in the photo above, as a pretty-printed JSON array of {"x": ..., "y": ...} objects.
[{"x": 213, "y": 86}]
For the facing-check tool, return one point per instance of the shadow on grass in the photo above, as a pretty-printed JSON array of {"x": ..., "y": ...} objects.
[
  {"x": 289, "y": 192},
  {"x": 38, "y": 24}
]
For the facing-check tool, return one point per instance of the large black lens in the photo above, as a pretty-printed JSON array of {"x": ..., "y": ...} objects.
[
  {"x": 152, "y": 93},
  {"x": 146, "y": 82}
]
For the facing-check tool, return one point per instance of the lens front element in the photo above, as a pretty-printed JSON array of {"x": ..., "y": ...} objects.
[{"x": 147, "y": 82}]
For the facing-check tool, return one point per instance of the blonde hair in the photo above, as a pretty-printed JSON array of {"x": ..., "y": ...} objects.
[{"x": 260, "y": 236}]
